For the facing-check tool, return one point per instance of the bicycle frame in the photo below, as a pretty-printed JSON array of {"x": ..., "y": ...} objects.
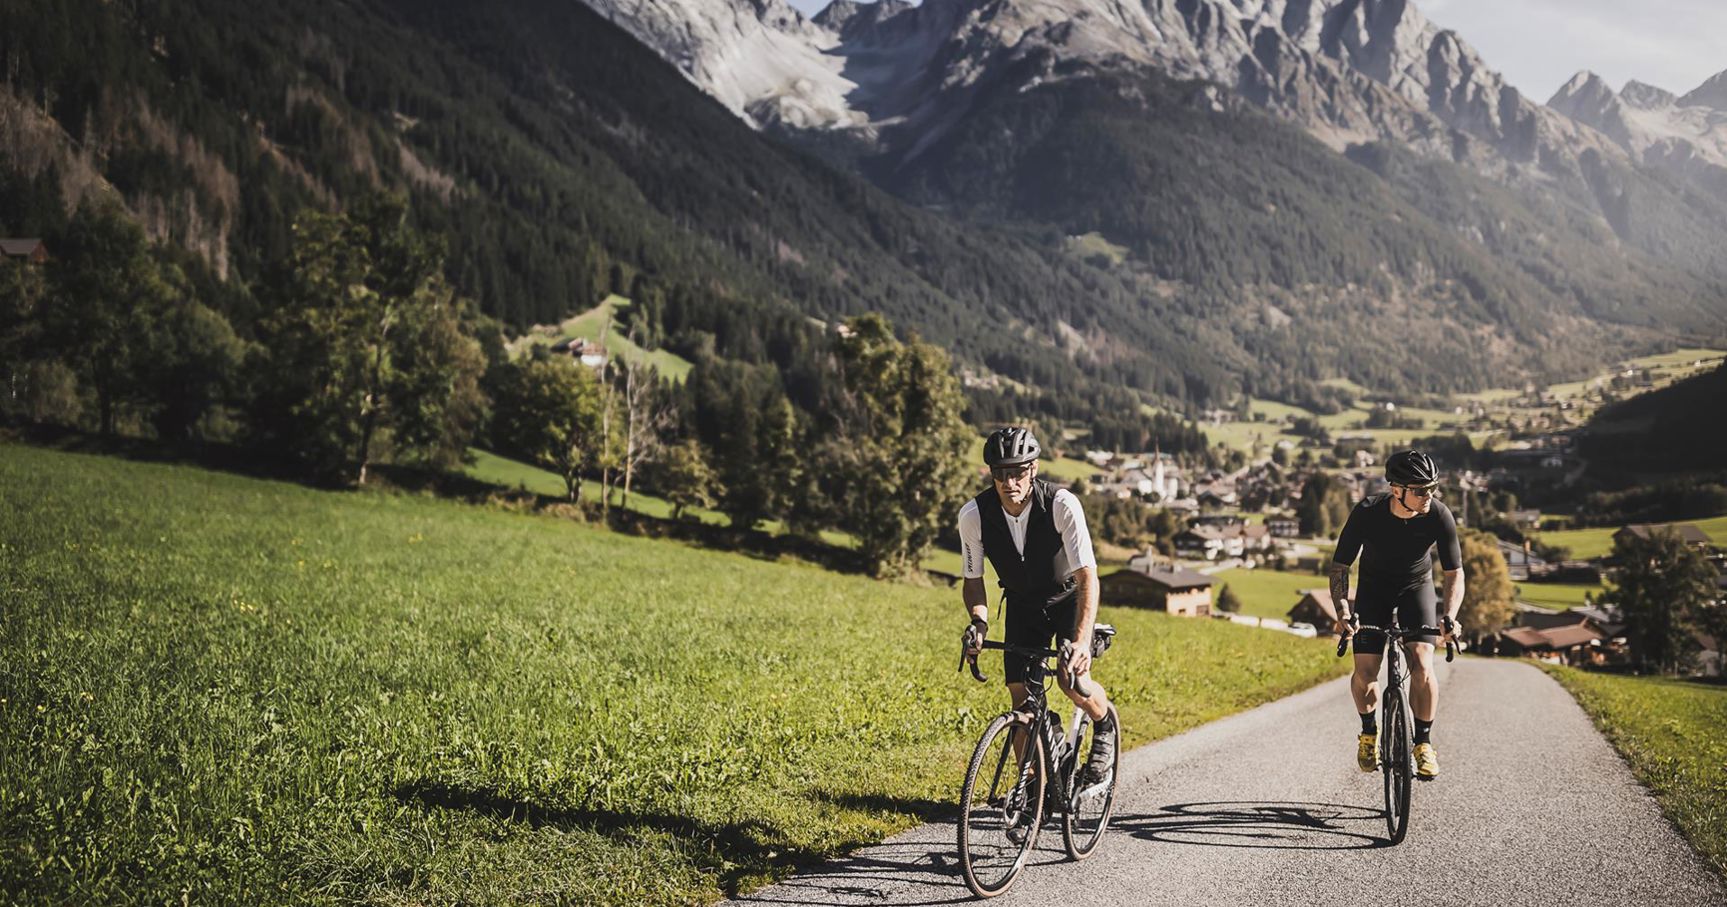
[
  {"x": 1061, "y": 743},
  {"x": 1396, "y": 719}
]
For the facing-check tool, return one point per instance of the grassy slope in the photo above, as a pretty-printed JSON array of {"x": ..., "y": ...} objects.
[
  {"x": 1242, "y": 435},
  {"x": 1557, "y": 596},
  {"x": 502, "y": 471},
  {"x": 256, "y": 692},
  {"x": 1672, "y": 734},
  {"x": 1266, "y": 593},
  {"x": 1598, "y": 541},
  {"x": 590, "y": 324}
]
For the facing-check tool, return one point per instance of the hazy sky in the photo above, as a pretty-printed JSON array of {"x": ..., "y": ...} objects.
[{"x": 1539, "y": 44}]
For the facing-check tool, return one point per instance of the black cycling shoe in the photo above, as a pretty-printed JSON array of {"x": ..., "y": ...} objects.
[{"x": 1099, "y": 766}]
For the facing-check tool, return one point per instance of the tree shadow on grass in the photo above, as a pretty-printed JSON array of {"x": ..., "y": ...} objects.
[
  {"x": 733, "y": 851},
  {"x": 925, "y": 811}
]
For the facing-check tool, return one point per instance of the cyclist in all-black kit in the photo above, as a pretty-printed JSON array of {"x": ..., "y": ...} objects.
[{"x": 1393, "y": 533}]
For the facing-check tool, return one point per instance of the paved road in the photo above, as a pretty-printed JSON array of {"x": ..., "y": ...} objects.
[{"x": 1267, "y": 808}]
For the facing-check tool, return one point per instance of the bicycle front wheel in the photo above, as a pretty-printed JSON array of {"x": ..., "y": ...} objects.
[
  {"x": 1395, "y": 764},
  {"x": 1088, "y": 811},
  {"x": 1001, "y": 805}
]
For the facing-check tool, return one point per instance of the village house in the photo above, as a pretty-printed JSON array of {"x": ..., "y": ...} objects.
[
  {"x": 1316, "y": 608},
  {"x": 1209, "y": 542},
  {"x": 1283, "y": 527},
  {"x": 1577, "y": 636},
  {"x": 1525, "y": 520},
  {"x": 1692, "y": 536},
  {"x": 583, "y": 350},
  {"x": 33, "y": 251},
  {"x": 1180, "y": 592},
  {"x": 1519, "y": 562}
]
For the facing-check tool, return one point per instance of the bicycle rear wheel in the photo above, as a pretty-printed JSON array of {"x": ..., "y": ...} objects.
[
  {"x": 1086, "y": 817},
  {"x": 996, "y": 808},
  {"x": 1395, "y": 764}
]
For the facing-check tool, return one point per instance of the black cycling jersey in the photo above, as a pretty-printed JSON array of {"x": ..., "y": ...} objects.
[{"x": 1396, "y": 557}]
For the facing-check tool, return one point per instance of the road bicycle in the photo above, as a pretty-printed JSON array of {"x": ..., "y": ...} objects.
[
  {"x": 1024, "y": 762},
  {"x": 1396, "y": 724}
]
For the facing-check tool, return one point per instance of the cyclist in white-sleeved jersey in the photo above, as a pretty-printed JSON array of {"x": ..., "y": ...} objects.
[{"x": 1034, "y": 534}]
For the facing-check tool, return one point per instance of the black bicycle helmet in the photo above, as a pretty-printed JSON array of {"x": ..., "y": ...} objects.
[
  {"x": 1010, "y": 446},
  {"x": 1412, "y": 468}
]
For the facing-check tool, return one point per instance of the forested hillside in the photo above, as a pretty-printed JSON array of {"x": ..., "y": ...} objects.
[
  {"x": 1266, "y": 226},
  {"x": 557, "y": 161},
  {"x": 554, "y": 157}
]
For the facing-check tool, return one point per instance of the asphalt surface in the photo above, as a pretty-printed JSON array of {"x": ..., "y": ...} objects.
[{"x": 1267, "y": 808}]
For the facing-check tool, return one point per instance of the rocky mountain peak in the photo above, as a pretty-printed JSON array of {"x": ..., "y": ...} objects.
[
  {"x": 1712, "y": 93},
  {"x": 1586, "y": 98},
  {"x": 843, "y": 16},
  {"x": 1644, "y": 96}
]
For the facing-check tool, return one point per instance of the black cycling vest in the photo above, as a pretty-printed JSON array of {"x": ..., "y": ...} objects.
[{"x": 1030, "y": 578}]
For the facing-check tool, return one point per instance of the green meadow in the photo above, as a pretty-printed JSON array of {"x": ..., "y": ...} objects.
[
  {"x": 600, "y": 323},
  {"x": 1598, "y": 541},
  {"x": 1670, "y": 731},
  {"x": 216, "y": 688},
  {"x": 1266, "y": 593}
]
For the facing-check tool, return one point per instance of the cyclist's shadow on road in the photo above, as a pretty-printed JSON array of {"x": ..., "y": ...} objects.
[{"x": 1259, "y": 824}]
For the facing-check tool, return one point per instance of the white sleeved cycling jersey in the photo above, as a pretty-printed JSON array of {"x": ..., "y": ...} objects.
[{"x": 1069, "y": 521}]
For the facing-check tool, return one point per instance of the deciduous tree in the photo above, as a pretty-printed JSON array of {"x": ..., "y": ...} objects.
[
  {"x": 910, "y": 450},
  {"x": 1488, "y": 602},
  {"x": 1662, "y": 587}
]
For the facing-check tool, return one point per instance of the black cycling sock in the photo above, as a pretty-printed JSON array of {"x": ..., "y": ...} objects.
[
  {"x": 1370, "y": 722},
  {"x": 1423, "y": 731},
  {"x": 1105, "y": 724}
]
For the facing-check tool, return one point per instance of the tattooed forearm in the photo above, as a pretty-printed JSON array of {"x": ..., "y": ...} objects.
[{"x": 1339, "y": 587}]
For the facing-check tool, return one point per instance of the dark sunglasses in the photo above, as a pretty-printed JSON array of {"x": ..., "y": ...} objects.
[
  {"x": 1430, "y": 491},
  {"x": 1010, "y": 473}
]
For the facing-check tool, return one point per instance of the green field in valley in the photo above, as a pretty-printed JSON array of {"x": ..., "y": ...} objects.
[
  {"x": 220, "y": 689},
  {"x": 1557, "y": 596},
  {"x": 1597, "y": 541},
  {"x": 1244, "y": 435},
  {"x": 504, "y": 472},
  {"x": 1671, "y": 731},
  {"x": 602, "y": 320},
  {"x": 1266, "y": 593}
]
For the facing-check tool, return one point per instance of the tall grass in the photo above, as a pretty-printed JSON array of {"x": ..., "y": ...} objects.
[{"x": 215, "y": 688}]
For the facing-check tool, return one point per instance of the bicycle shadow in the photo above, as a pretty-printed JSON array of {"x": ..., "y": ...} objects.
[
  {"x": 1260, "y": 824},
  {"x": 920, "y": 870}
]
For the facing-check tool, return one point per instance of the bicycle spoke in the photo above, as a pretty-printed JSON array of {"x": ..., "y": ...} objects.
[{"x": 998, "y": 820}]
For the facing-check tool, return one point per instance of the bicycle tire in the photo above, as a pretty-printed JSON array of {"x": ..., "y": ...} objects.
[
  {"x": 1082, "y": 826},
  {"x": 989, "y": 859},
  {"x": 1396, "y": 768}
]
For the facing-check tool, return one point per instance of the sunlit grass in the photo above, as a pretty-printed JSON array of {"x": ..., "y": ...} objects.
[
  {"x": 1597, "y": 541},
  {"x": 1558, "y": 596},
  {"x": 219, "y": 689},
  {"x": 1671, "y": 733},
  {"x": 1266, "y": 593}
]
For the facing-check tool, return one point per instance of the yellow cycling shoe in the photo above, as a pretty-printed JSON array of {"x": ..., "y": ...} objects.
[
  {"x": 1367, "y": 752},
  {"x": 1426, "y": 762}
]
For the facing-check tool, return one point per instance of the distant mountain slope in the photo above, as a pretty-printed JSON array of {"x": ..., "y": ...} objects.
[
  {"x": 558, "y": 159},
  {"x": 1674, "y": 429},
  {"x": 941, "y": 82}
]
